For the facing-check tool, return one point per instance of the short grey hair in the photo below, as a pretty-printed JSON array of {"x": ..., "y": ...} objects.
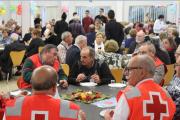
[
  {"x": 150, "y": 46},
  {"x": 64, "y": 35},
  {"x": 98, "y": 20},
  {"x": 80, "y": 38},
  {"x": 48, "y": 47},
  {"x": 14, "y": 37},
  {"x": 91, "y": 51},
  {"x": 48, "y": 25},
  {"x": 174, "y": 26},
  {"x": 76, "y": 17},
  {"x": 130, "y": 24}
]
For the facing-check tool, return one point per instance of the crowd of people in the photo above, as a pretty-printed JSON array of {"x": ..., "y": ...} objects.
[{"x": 91, "y": 50}]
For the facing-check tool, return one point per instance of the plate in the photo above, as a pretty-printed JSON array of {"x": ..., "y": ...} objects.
[
  {"x": 117, "y": 85},
  {"x": 88, "y": 84},
  {"x": 104, "y": 111}
]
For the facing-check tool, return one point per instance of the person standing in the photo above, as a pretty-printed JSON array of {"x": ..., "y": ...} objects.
[
  {"x": 87, "y": 21},
  {"x": 113, "y": 29},
  {"x": 148, "y": 19},
  {"x": 71, "y": 21},
  {"x": 158, "y": 25},
  {"x": 100, "y": 16}
]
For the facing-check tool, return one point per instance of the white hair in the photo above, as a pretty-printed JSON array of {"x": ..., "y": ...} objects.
[
  {"x": 47, "y": 22},
  {"x": 64, "y": 35},
  {"x": 130, "y": 24},
  {"x": 145, "y": 25},
  {"x": 174, "y": 26},
  {"x": 80, "y": 38},
  {"x": 165, "y": 27},
  {"x": 14, "y": 37},
  {"x": 48, "y": 25},
  {"x": 76, "y": 17}
]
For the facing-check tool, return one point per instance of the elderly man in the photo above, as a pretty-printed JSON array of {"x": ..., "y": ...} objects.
[
  {"x": 6, "y": 62},
  {"x": 134, "y": 46},
  {"x": 71, "y": 21},
  {"x": 76, "y": 28},
  {"x": 143, "y": 99},
  {"x": 91, "y": 36},
  {"x": 66, "y": 43},
  {"x": 89, "y": 68},
  {"x": 73, "y": 53},
  {"x": 41, "y": 105},
  {"x": 174, "y": 89},
  {"x": 47, "y": 56}
]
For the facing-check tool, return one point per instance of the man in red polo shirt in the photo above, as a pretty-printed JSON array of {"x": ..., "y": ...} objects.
[{"x": 87, "y": 21}]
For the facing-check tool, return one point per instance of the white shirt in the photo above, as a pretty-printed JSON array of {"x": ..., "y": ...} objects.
[
  {"x": 158, "y": 25},
  {"x": 46, "y": 31},
  {"x": 122, "y": 111},
  {"x": 96, "y": 46}
]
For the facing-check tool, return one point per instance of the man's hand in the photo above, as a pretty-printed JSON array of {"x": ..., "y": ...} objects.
[
  {"x": 129, "y": 86},
  {"x": 5, "y": 95},
  {"x": 63, "y": 83},
  {"x": 80, "y": 77},
  {"x": 95, "y": 78},
  {"x": 82, "y": 115},
  {"x": 22, "y": 93},
  {"x": 134, "y": 54},
  {"x": 107, "y": 116}
]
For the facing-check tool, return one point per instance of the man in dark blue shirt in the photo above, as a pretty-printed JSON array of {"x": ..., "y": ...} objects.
[{"x": 91, "y": 36}]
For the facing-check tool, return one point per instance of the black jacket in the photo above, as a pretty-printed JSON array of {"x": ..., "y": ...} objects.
[
  {"x": 177, "y": 40},
  {"x": 27, "y": 37},
  {"x": 42, "y": 31},
  {"x": 163, "y": 56},
  {"x": 37, "y": 21},
  {"x": 59, "y": 28},
  {"x": 34, "y": 46},
  {"x": 5, "y": 57},
  {"x": 72, "y": 55},
  {"x": 172, "y": 57},
  {"x": 132, "y": 47},
  {"x": 114, "y": 30},
  {"x": 97, "y": 68},
  {"x": 51, "y": 40}
]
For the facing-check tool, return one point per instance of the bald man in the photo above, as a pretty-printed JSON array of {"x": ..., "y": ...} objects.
[
  {"x": 144, "y": 100},
  {"x": 42, "y": 105},
  {"x": 91, "y": 36}
]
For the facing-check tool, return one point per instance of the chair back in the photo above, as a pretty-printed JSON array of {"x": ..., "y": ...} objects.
[
  {"x": 40, "y": 48},
  {"x": 18, "y": 82},
  {"x": 65, "y": 67},
  {"x": 17, "y": 57},
  {"x": 126, "y": 50},
  {"x": 105, "y": 38},
  {"x": 117, "y": 73},
  {"x": 169, "y": 75}
]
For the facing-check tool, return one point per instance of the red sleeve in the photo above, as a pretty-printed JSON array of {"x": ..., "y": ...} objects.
[
  {"x": 3, "y": 102},
  {"x": 119, "y": 95},
  {"x": 92, "y": 21}
]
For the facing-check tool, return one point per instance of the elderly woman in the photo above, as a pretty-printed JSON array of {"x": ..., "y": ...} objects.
[
  {"x": 175, "y": 36},
  {"x": 47, "y": 31},
  {"x": 6, "y": 39},
  {"x": 170, "y": 46},
  {"x": 111, "y": 57},
  {"x": 52, "y": 39},
  {"x": 146, "y": 29},
  {"x": 98, "y": 43},
  {"x": 148, "y": 19},
  {"x": 27, "y": 36},
  {"x": 162, "y": 35},
  {"x": 37, "y": 19},
  {"x": 98, "y": 27},
  {"x": 17, "y": 30}
]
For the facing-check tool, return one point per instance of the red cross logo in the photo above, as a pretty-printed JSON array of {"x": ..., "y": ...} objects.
[
  {"x": 155, "y": 107},
  {"x": 39, "y": 115}
]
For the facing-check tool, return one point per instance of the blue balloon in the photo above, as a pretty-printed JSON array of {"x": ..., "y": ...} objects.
[
  {"x": 12, "y": 11},
  {"x": 32, "y": 9},
  {"x": 174, "y": 12},
  {"x": 33, "y": 13},
  {"x": 33, "y": 4},
  {"x": 1, "y": 4}
]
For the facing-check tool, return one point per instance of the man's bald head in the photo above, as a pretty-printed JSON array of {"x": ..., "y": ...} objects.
[
  {"x": 44, "y": 78},
  {"x": 92, "y": 28},
  {"x": 14, "y": 37}
]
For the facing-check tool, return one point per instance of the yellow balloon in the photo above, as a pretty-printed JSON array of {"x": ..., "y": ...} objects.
[
  {"x": 3, "y": 12},
  {"x": 179, "y": 1},
  {"x": 16, "y": 9},
  {"x": 36, "y": 9}
]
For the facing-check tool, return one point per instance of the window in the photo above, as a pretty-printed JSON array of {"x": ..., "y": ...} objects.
[
  {"x": 93, "y": 11},
  {"x": 138, "y": 13}
]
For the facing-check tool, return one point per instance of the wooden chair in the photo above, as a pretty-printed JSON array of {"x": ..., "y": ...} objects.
[
  {"x": 105, "y": 38},
  {"x": 28, "y": 41},
  {"x": 126, "y": 49},
  {"x": 18, "y": 82},
  {"x": 65, "y": 67},
  {"x": 169, "y": 75},
  {"x": 40, "y": 48},
  {"x": 117, "y": 73},
  {"x": 16, "y": 57}
]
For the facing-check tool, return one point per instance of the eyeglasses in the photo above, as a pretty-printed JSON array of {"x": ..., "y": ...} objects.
[
  {"x": 176, "y": 53},
  {"x": 176, "y": 65},
  {"x": 100, "y": 11},
  {"x": 131, "y": 68},
  {"x": 143, "y": 52}
]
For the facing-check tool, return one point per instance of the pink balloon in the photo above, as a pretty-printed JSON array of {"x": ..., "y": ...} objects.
[{"x": 19, "y": 7}]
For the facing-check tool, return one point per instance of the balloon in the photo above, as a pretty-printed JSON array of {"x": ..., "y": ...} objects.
[
  {"x": 1, "y": 4},
  {"x": 12, "y": 11},
  {"x": 174, "y": 12},
  {"x": 36, "y": 9},
  {"x": 179, "y": 1},
  {"x": 3, "y": 7},
  {"x": 33, "y": 13},
  {"x": 19, "y": 7},
  {"x": 0, "y": 10},
  {"x": 32, "y": 9},
  {"x": 19, "y": 12},
  {"x": 33, "y": 4},
  {"x": 3, "y": 12}
]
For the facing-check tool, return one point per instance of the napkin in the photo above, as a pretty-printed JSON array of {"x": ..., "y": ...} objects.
[{"x": 15, "y": 93}]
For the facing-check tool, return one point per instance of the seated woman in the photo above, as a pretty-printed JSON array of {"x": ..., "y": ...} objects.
[
  {"x": 140, "y": 27},
  {"x": 111, "y": 57},
  {"x": 98, "y": 27},
  {"x": 6, "y": 39},
  {"x": 170, "y": 45},
  {"x": 146, "y": 29},
  {"x": 175, "y": 36},
  {"x": 35, "y": 43},
  {"x": 98, "y": 43},
  {"x": 47, "y": 31},
  {"x": 151, "y": 29},
  {"x": 17, "y": 30},
  {"x": 27, "y": 36},
  {"x": 162, "y": 35},
  {"x": 52, "y": 38},
  {"x": 132, "y": 33}
]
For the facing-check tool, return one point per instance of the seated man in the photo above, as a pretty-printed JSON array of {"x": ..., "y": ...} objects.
[
  {"x": 66, "y": 43},
  {"x": 5, "y": 58},
  {"x": 174, "y": 89},
  {"x": 89, "y": 68},
  {"x": 91, "y": 36},
  {"x": 73, "y": 53},
  {"x": 143, "y": 99},
  {"x": 48, "y": 56},
  {"x": 41, "y": 105}
]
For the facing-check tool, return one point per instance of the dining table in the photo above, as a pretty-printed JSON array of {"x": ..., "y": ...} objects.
[{"x": 92, "y": 111}]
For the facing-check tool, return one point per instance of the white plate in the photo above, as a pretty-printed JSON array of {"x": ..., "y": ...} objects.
[
  {"x": 103, "y": 112},
  {"x": 117, "y": 85},
  {"x": 129, "y": 55},
  {"x": 88, "y": 84}
]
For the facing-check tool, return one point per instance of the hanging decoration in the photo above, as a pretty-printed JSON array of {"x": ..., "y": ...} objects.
[
  {"x": 158, "y": 6},
  {"x": 19, "y": 7},
  {"x": 64, "y": 9},
  {"x": 173, "y": 9},
  {"x": 13, "y": 8},
  {"x": 2, "y": 8},
  {"x": 34, "y": 9}
]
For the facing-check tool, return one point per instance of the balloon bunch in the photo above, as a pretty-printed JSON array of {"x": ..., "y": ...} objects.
[
  {"x": 158, "y": 6},
  {"x": 173, "y": 9},
  {"x": 13, "y": 8},
  {"x": 2, "y": 8},
  {"x": 18, "y": 9},
  {"x": 33, "y": 8}
]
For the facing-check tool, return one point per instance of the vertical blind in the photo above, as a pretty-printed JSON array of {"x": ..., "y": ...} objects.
[{"x": 138, "y": 13}]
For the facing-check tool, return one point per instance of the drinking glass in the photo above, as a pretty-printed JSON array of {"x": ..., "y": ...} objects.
[
  {"x": 92, "y": 80},
  {"x": 112, "y": 81}
]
